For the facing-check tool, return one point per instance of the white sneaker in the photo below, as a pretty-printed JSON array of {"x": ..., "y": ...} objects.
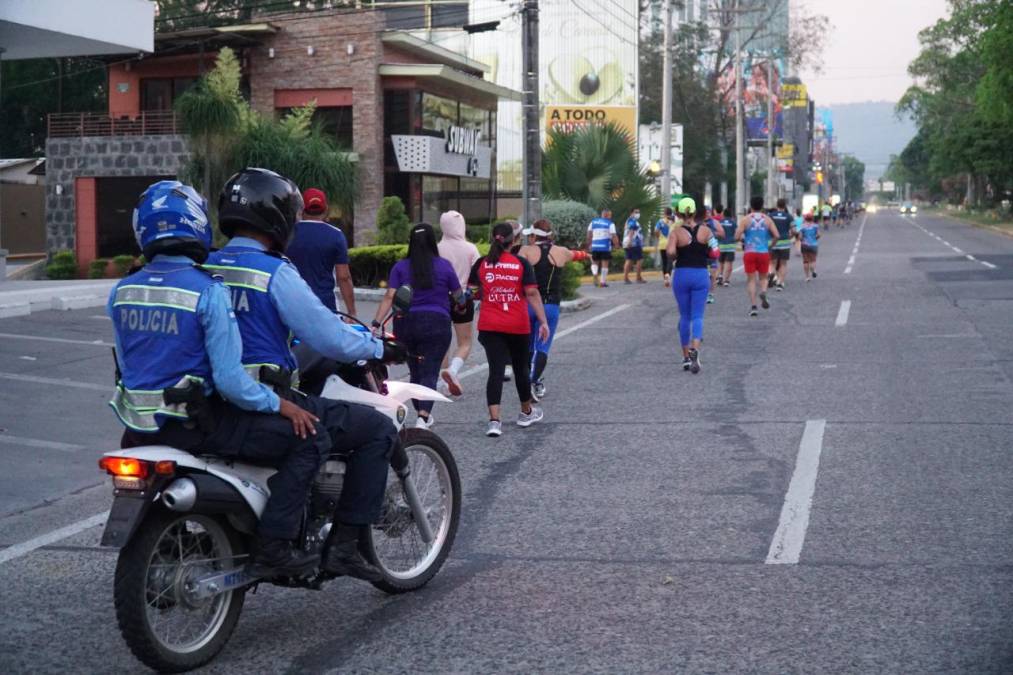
[
  {"x": 442, "y": 388},
  {"x": 538, "y": 390},
  {"x": 495, "y": 429},
  {"x": 508, "y": 374},
  {"x": 425, "y": 422},
  {"x": 527, "y": 419},
  {"x": 451, "y": 382}
]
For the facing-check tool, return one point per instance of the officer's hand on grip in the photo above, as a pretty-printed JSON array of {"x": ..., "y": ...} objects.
[
  {"x": 394, "y": 352},
  {"x": 302, "y": 421}
]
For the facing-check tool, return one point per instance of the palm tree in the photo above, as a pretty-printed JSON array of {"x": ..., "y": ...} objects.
[{"x": 597, "y": 166}]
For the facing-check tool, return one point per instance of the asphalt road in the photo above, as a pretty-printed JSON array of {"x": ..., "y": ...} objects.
[{"x": 638, "y": 529}]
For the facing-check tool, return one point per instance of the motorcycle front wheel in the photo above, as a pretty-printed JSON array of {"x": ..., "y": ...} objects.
[
  {"x": 165, "y": 625},
  {"x": 395, "y": 544}
]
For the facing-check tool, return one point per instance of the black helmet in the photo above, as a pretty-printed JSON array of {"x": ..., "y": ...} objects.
[{"x": 261, "y": 200}]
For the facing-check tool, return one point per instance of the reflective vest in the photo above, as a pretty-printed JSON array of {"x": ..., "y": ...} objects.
[
  {"x": 266, "y": 339},
  {"x": 161, "y": 342}
]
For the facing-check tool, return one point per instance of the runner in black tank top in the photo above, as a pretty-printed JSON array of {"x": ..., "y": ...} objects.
[
  {"x": 548, "y": 262},
  {"x": 691, "y": 280}
]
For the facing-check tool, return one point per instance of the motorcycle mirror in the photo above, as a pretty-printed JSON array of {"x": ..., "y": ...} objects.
[{"x": 403, "y": 298}]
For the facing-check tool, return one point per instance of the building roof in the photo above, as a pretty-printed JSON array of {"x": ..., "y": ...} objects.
[
  {"x": 432, "y": 52},
  {"x": 250, "y": 33},
  {"x": 17, "y": 161},
  {"x": 450, "y": 76}
]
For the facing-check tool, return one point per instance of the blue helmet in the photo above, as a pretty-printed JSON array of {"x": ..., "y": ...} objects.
[{"x": 171, "y": 217}]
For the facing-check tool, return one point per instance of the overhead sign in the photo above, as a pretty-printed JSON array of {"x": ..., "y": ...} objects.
[
  {"x": 570, "y": 117},
  {"x": 786, "y": 151}
]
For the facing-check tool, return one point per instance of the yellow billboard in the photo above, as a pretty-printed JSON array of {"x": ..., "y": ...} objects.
[
  {"x": 786, "y": 151},
  {"x": 570, "y": 117},
  {"x": 794, "y": 95}
]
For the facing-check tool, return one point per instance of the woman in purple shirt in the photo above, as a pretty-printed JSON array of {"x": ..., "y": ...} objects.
[{"x": 425, "y": 328}]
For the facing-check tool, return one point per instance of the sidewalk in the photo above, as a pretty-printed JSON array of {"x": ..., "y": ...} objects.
[{"x": 19, "y": 298}]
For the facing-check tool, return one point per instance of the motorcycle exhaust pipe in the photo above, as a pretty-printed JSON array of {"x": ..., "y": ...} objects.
[{"x": 181, "y": 495}]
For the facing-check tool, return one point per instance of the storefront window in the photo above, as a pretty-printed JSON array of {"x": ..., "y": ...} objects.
[
  {"x": 438, "y": 114},
  {"x": 476, "y": 118},
  {"x": 476, "y": 200},
  {"x": 423, "y": 14},
  {"x": 439, "y": 194}
]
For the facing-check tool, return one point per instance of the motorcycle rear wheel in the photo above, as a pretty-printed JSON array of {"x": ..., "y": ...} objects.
[
  {"x": 165, "y": 627},
  {"x": 395, "y": 544}
]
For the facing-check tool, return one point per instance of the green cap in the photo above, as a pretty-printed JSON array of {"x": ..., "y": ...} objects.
[{"x": 687, "y": 205}]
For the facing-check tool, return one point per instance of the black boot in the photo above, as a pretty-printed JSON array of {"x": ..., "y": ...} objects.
[
  {"x": 277, "y": 558},
  {"x": 341, "y": 554}
]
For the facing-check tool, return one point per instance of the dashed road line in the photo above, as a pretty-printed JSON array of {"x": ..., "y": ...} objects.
[
  {"x": 65, "y": 341},
  {"x": 953, "y": 248},
  {"x": 858, "y": 242},
  {"x": 842, "y": 313},
  {"x": 786, "y": 546},
  {"x": 26, "y": 547},
  {"x": 39, "y": 443},
  {"x": 74, "y": 384}
]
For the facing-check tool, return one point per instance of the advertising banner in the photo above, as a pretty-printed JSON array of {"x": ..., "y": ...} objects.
[
  {"x": 794, "y": 96},
  {"x": 588, "y": 65}
]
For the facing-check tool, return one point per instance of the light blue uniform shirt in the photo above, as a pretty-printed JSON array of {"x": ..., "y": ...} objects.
[
  {"x": 224, "y": 346},
  {"x": 309, "y": 320}
]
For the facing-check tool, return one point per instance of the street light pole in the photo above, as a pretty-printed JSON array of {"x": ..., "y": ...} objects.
[
  {"x": 666, "y": 107},
  {"x": 771, "y": 125},
  {"x": 740, "y": 168},
  {"x": 532, "y": 145}
]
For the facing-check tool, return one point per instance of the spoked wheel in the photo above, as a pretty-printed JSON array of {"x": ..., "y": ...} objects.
[
  {"x": 395, "y": 544},
  {"x": 164, "y": 622}
]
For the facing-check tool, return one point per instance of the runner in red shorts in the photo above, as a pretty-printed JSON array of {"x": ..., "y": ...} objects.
[{"x": 756, "y": 230}]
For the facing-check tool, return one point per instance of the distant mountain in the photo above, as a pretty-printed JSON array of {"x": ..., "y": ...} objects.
[{"x": 872, "y": 132}]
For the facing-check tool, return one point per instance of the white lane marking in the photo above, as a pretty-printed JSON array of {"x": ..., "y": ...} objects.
[
  {"x": 858, "y": 241},
  {"x": 786, "y": 546},
  {"x": 957, "y": 250},
  {"x": 74, "y": 384},
  {"x": 946, "y": 242},
  {"x": 25, "y": 547},
  {"x": 842, "y": 313},
  {"x": 827, "y": 366},
  {"x": 559, "y": 335},
  {"x": 953, "y": 248},
  {"x": 28, "y": 358},
  {"x": 66, "y": 341},
  {"x": 100, "y": 316},
  {"x": 987, "y": 264},
  {"x": 953, "y": 336},
  {"x": 970, "y": 257},
  {"x": 39, "y": 443}
]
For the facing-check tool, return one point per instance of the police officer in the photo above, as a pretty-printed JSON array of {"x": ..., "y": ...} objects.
[
  {"x": 180, "y": 380},
  {"x": 258, "y": 210}
]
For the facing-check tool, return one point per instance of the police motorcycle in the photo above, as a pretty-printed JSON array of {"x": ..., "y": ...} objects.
[{"x": 184, "y": 522}]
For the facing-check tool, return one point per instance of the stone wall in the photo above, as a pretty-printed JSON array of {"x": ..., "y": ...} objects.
[{"x": 100, "y": 156}]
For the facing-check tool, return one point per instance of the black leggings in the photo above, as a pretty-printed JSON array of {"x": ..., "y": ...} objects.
[
  {"x": 501, "y": 349},
  {"x": 666, "y": 264}
]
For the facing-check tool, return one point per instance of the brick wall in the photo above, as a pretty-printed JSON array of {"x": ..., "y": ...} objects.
[
  {"x": 332, "y": 67},
  {"x": 68, "y": 159}
]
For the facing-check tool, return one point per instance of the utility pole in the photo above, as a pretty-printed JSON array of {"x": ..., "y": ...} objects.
[
  {"x": 666, "y": 106},
  {"x": 532, "y": 145},
  {"x": 740, "y": 166},
  {"x": 771, "y": 125}
]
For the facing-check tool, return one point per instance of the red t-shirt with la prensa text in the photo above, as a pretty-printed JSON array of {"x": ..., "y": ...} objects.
[{"x": 504, "y": 305}]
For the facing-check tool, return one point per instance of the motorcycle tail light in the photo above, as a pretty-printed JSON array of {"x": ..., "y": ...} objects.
[
  {"x": 165, "y": 467},
  {"x": 125, "y": 467}
]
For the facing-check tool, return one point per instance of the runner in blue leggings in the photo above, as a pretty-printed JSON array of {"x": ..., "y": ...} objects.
[{"x": 689, "y": 246}]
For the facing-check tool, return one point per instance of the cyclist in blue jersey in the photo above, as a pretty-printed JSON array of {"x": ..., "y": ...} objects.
[
  {"x": 726, "y": 245},
  {"x": 780, "y": 252},
  {"x": 601, "y": 239},
  {"x": 809, "y": 235},
  {"x": 756, "y": 230}
]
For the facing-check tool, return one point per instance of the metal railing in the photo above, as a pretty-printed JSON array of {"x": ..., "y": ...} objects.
[{"x": 67, "y": 125}]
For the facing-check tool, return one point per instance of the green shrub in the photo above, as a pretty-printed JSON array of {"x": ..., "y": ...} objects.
[
  {"x": 63, "y": 266},
  {"x": 478, "y": 233},
  {"x": 392, "y": 224},
  {"x": 571, "y": 280},
  {"x": 97, "y": 268},
  {"x": 370, "y": 265},
  {"x": 569, "y": 221},
  {"x": 122, "y": 264}
]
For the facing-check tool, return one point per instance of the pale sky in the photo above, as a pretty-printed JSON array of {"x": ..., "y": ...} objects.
[{"x": 870, "y": 45}]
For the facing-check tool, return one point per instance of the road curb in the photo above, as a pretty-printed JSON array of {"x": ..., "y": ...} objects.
[{"x": 578, "y": 305}]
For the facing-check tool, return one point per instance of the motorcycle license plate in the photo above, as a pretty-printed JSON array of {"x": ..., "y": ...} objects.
[{"x": 124, "y": 516}]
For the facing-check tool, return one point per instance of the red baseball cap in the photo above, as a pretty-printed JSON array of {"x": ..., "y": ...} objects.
[{"x": 314, "y": 202}]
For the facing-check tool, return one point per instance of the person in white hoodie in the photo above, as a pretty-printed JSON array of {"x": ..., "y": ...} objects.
[{"x": 462, "y": 254}]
